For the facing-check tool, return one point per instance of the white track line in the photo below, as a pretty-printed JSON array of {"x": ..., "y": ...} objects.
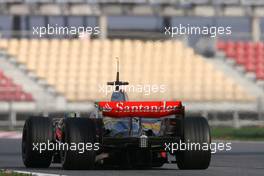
[
  {"x": 36, "y": 173},
  {"x": 10, "y": 135}
]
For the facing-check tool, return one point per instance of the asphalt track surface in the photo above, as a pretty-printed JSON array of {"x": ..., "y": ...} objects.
[{"x": 245, "y": 159}]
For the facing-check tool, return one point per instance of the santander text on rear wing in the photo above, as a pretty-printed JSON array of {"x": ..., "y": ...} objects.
[{"x": 147, "y": 109}]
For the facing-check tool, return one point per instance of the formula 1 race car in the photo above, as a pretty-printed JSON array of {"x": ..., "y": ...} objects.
[{"x": 114, "y": 135}]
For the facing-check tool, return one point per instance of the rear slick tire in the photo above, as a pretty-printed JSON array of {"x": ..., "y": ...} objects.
[
  {"x": 37, "y": 131},
  {"x": 196, "y": 130},
  {"x": 77, "y": 131}
]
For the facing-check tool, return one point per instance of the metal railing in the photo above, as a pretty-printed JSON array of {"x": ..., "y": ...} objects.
[{"x": 172, "y": 2}]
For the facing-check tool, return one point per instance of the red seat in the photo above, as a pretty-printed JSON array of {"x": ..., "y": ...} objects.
[
  {"x": 250, "y": 67},
  {"x": 28, "y": 97},
  {"x": 1, "y": 97},
  {"x": 230, "y": 45},
  {"x": 240, "y": 52},
  {"x": 230, "y": 52},
  {"x": 221, "y": 45},
  {"x": 249, "y": 46},
  {"x": 259, "y": 46},
  {"x": 260, "y": 75},
  {"x": 260, "y": 53},
  {"x": 240, "y": 46},
  {"x": 241, "y": 60},
  {"x": 250, "y": 59},
  {"x": 259, "y": 60}
]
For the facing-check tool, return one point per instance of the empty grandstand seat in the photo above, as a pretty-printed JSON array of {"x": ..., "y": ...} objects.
[{"x": 77, "y": 68}]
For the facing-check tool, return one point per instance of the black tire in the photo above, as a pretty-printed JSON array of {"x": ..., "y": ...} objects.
[
  {"x": 99, "y": 126},
  {"x": 37, "y": 130},
  {"x": 196, "y": 130},
  {"x": 78, "y": 130}
]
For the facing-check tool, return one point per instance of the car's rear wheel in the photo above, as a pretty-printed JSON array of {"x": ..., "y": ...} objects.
[
  {"x": 79, "y": 132},
  {"x": 158, "y": 160},
  {"x": 37, "y": 132},
  {"x": 196, "y": 130}
]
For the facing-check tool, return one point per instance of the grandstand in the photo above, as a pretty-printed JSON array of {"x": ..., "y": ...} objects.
[
  {"x": 76, "y": 67},
  {"x": 57, "y": 73}
]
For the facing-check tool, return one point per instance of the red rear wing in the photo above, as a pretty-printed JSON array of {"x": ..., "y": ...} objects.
[{"x": 150, "y": 109}]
